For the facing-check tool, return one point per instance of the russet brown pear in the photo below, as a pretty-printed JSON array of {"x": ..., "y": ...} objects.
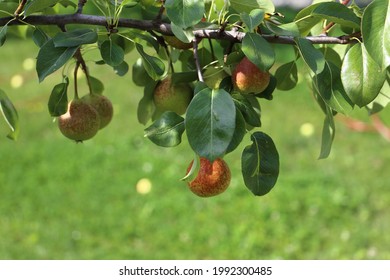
[
  {"x": 212, "y": 178},
  {"x": 81, "y": 121},
  {"x": 102, "y": 105}
]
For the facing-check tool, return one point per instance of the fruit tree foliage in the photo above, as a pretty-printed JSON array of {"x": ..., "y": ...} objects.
[{"x": 205, "y": 67}]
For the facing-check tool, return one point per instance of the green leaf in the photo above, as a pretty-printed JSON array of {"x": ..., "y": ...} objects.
[
  {"x": 58, "y": 101},
  {"x": 121, "y": 69},
  {"x": 210, "y": 123},
  {"x": 184, "y": 35},
  {"x": 239, "y": 132},
  {"x": 287, "y": 76},
  {"x": 260, "y": 164},
  {"x": 312, "y": 57},
  {"x": 249, "y": 114},
  {"x": 75, "y": 38},
  {"x": 329, "y": 86},
  {"x": 146, "y": 106},
  {"x": 258, "y": 51},
  {"x": 167, "y": 130},
  {"x": 3, "y": 34},
  {"x": 375, "y": 31},
  {"x": 184, "y": 77},
  {"x": 111, "y": 53},
  {"x": 139, "y": 75},
  {"x": 10, "y": 115},
  {"x": 147, "y": 38},
  {"x": 246, "y": 6},
  {"x": 97, "y": 85},
  {"x": 331, "y": 55},
  {"x": 185, "y": 13},
  {"x": 153, "y": 65},
  {"x": 50, "y": 58},
  {"x": 337, "y": 13},
  {"x": 288, "y": 29},
  {"x": 253, "y": 19},
  {"x": 328, "y": 133},
  {"x": 380, "y": 102},
  {"x": 305, "y": 20},
  {"x": 128, "y": 3},
  {"x": 361, "y": 76},
  {"x": 34, "y": 6},
  {"x": 39, "y": 37}
]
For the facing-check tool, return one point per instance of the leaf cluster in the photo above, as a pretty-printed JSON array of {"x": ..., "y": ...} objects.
[{"x": 352, "y": 73}]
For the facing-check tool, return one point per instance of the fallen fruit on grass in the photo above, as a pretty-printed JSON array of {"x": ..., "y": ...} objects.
[
  {"x": 102, "y": 105},
  {"x": 248, "y": 78},
  {"x": 81, "y": 121},
  {"x": 212, "y": 178},
  {"x": 172, "y": 97}
]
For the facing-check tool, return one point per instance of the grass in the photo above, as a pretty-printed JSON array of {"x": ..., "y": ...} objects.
[{"x": 61, "y": 200}]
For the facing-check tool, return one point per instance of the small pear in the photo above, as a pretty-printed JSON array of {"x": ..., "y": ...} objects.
[
  {"x": 172, "y": 97},
  {"x": 213, "y": 76},
  {"x": 248, "y": 78},
  {"x": 81, "y": 121},
  {"x": 213, "y": 178},
  {"x": 102, "y": 105}
]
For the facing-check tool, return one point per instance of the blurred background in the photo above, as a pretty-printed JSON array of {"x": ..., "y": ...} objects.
[{"x": 118, "y": 196}]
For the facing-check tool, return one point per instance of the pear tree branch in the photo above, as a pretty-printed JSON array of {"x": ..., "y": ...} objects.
[
  {"x": 165, "y": 28},
  {"x": 196, "y": 58}
]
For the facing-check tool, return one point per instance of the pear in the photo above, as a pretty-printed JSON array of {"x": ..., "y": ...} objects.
[
  {"x": 248, "y": 78},
  {"x": 212, "y": 178},
  {"x": 102, "y": 105},
  {"x": 81, "y": 121},
  {"x": 213, "y": 76},
  {"x": 172, "y": 97}
]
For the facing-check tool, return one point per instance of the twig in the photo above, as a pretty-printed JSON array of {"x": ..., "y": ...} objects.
[
  {"x": 331, "y": 24},
  {"x": 76, "y": 69},
  {"x": 196, "y": 58},
  {"x": 81, "y": 62},
  {"x": 160, "y": 13},
  {"x": 20, "y": 8},
  {"x": 161, "y": 41},
  {"x": 165, "y": 28},
  {"x": 80, "y": 6}
]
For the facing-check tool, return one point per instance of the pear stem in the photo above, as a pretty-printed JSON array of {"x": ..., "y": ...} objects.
[
  {"x": 76, "y": 69},
  {"x": 81, "y": 62}
]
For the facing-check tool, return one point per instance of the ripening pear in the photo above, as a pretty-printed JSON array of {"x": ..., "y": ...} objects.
[
  {"x": 213, "y": 76},
  {"x": 172, "y": 97},
  {"x": 213, "y": 178},
  {"x": 248, "y": 78},
  {"x": 102, "y": 105},
  {"x": 81, "y": 121}
]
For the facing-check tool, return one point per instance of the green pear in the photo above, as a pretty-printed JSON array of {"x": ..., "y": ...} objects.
[
  {"x": 172, "y": 97},
  {"x": 213, "y": 76}
]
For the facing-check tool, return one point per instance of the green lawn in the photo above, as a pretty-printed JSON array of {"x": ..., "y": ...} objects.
[{"x": 61, "y": 200}]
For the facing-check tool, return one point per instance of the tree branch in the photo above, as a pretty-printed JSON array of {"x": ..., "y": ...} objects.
[
  {"x": 196, "y": 58},
  {"x": 165, "y": 28}
]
